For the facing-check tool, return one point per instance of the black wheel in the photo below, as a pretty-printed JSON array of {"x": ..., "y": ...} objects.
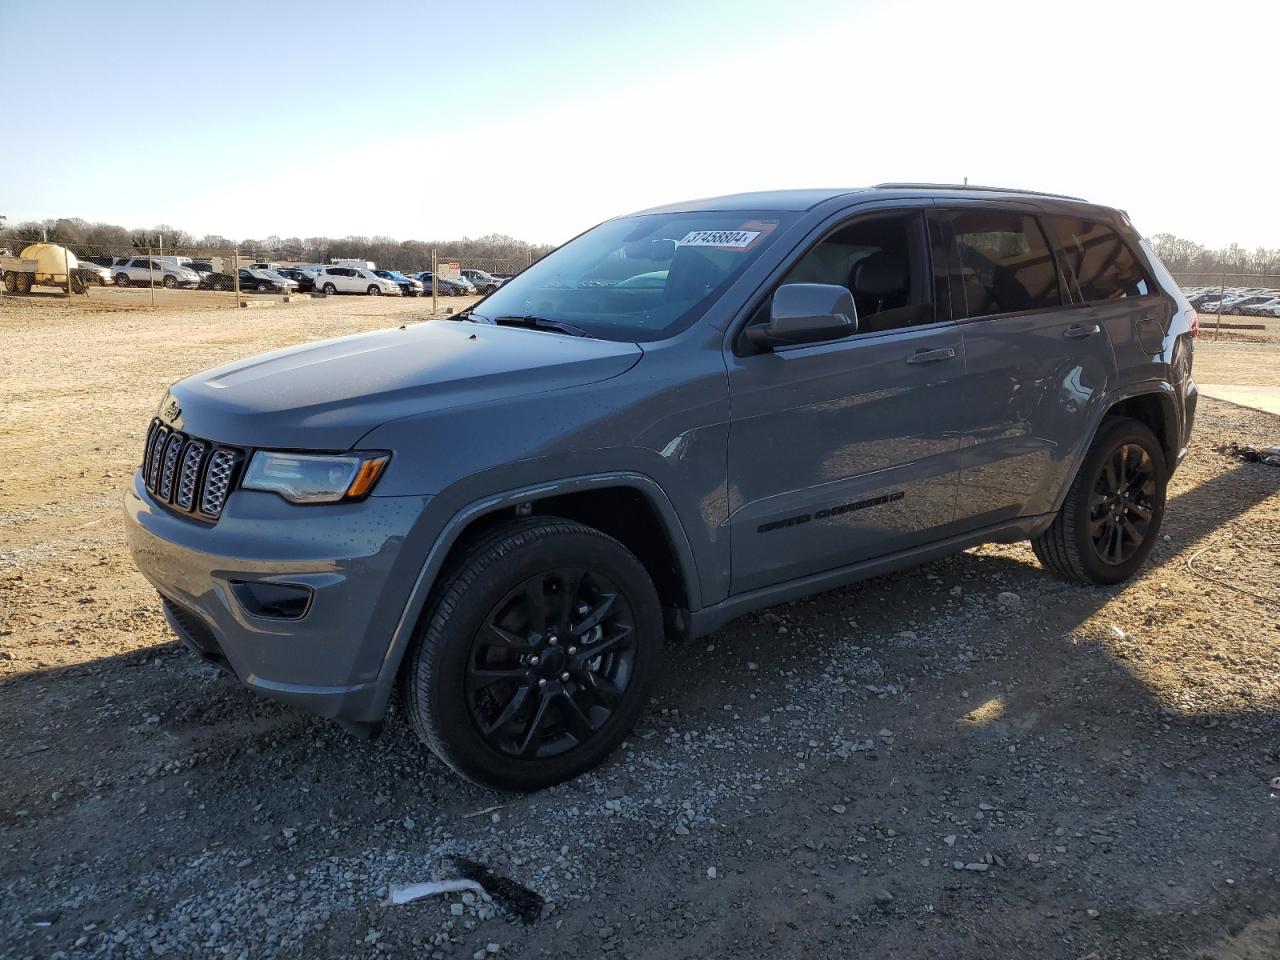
[
  {"x": 263, "y": 287},
  {"x": 537, "y": 655},
  {"x": 25, "y": 282},
  {"x": 10, "y": 282},
  {"x": 77, "y": 285},
  {"x": 374, "y": 290},
  {"x": 329, "y": 290},
  {"x": 122, "y": 279},
  {"x": 1111, "y": 517},
  {"x": 170, "y": 282}
]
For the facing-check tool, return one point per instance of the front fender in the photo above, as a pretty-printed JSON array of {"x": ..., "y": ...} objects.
[{"x": 461, "y": 518}]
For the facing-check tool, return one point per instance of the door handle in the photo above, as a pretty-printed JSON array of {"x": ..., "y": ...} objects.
[
  {"x": 932, "y": 356},
  {"x": 1078, "y": 331}
]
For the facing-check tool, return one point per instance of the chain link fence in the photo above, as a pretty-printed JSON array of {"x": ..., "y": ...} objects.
[
  {"x": 152, "y": 275},
  {"x": 1233, "y": 301},
  {"x": 124, "y": 273}
]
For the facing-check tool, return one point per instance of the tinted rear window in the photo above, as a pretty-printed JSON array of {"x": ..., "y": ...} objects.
[
  {"x": 1099, "y": 264},
  {"x": 1000, "y": 263}
]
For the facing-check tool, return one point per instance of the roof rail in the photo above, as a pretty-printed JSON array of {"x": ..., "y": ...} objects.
[{"x": 973, "y": 186}]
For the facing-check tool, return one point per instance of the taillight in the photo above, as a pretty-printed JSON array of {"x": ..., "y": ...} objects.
[{"x": 1195, "y": 323}]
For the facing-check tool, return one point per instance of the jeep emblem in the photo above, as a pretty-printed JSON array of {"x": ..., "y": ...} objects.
[{"x": 170, "y": 411}]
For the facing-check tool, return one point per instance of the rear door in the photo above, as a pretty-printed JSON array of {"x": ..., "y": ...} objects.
[
  {"x": 1037, "y": 364},
  {"x": 1102, "y": 268},
  {"x": 846, "y": 450}
]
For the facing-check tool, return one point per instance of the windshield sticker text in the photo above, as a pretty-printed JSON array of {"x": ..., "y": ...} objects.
[{"x": 719, "y": 238}]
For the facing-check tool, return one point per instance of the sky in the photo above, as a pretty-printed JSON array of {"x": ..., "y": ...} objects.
[{"x": 432, "y": 120}]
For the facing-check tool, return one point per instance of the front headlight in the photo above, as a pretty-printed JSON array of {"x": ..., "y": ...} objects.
[{"x": 313, "y": 477}]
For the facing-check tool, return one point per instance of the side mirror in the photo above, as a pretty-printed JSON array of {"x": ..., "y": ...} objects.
[{"x": 806, "y": 313}]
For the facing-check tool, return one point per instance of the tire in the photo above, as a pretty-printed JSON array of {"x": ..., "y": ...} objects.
[
  {"x": 374, "y": 291},
  {"x": 1070, "y": 547},
  {"x": 496, "y": 582},
  {"x": 263, "y": 287},
  {"x": 25, "y": 282},
  {"x": 10, "y": 282},
  {"x": 170, "y": 282},
  {"x": 329, "y": 290},
  {"x": 122, "y": 279}
]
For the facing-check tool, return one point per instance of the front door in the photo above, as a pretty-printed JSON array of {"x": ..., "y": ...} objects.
[{"x": 843, "y": 451}]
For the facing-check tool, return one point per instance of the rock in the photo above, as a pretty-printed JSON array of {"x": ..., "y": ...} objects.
[
  {"x": 1092, "y": 913},
  {"x": 457, "y": 909},
  {"x": 1009, "y": 600},
  {"x": 1117, "y": 633},
  {"x": 838, "y": 808},
  {"x": 1033, "y": 858},
  {"x": 884, "y": 896},
  {"x": 949, "y": 840},
  {"x": 978, "y": 867},
  {"x": 711, "y": 873}
]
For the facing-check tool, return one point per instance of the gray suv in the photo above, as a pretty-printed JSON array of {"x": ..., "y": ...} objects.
[{"x": 507, "y": 515}]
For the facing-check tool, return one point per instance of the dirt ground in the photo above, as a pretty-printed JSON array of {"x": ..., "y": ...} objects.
[{"x": 967, "y": 760}]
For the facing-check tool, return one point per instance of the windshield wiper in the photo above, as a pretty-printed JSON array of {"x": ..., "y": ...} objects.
[{"x": 541, "y": 323}]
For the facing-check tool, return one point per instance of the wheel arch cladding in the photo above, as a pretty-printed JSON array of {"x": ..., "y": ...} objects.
[
  {"x": 624, "y": 510},
  {"x": 1154, "y": 410}
]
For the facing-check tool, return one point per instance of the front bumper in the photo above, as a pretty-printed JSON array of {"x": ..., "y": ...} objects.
[{"x": 360, "y": 561}]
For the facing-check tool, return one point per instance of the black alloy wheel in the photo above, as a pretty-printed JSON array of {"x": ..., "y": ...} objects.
[
  {"x": 1110, "y": 518},
  {"x": 1121, "y": 505},
  {"x": 537, "y": 654},
  {"x": 551, "y": 663}
]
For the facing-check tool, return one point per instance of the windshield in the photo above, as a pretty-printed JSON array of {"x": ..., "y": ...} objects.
[{"x": 638, "y": 278}]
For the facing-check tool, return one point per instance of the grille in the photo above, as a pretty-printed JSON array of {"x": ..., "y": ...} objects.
[{"x": 188, "y": 473}]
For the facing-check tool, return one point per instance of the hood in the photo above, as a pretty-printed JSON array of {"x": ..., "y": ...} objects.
[{"x": 326, "y": 395}]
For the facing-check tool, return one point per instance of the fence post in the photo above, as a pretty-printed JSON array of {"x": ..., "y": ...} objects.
[
  {"x": 151, "y": 272},
  {"x": 435, "y": 284},
  {"x": 235, "y": 275},
  {"x": 66, "y": 265},
  {"x": 1222, "y": 292}
]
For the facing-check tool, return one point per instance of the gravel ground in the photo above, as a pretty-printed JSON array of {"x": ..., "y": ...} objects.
[{"x": 970, "y": 759}]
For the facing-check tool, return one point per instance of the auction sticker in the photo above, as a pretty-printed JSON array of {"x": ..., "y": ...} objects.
[{"x": 719, "y": 238}]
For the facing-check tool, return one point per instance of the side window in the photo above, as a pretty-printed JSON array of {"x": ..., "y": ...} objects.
[
  {"x": 1100, "y": 265},
  {"x": 881, "y": 259},
  {"x": 1001, "y": 263}
]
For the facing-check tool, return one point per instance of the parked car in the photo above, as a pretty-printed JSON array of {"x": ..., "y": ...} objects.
[
  {"x": 448, "y": 288},
  {"x": 93, "y": 273},
  {"x": 485, "y": 283},
  {"x": 333, "y": 280},
  {"x": 305, "y": 279},
  {"x": 1268, "y": 308},
  {"x": 265, "y": 281},
  {"x": 507, "y": 515},
  {"x": 144, "y": 271},
  {"x": 409, "y": 287}
]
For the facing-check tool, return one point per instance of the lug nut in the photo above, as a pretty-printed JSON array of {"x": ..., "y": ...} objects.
[
  {"x": 572, "y": 651},
  {"x": 564, "y": 676},
  {"x": 534, "y": 660},
  {"x": 553, "y": 639},
  {"x": 542, "y": 682}
]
